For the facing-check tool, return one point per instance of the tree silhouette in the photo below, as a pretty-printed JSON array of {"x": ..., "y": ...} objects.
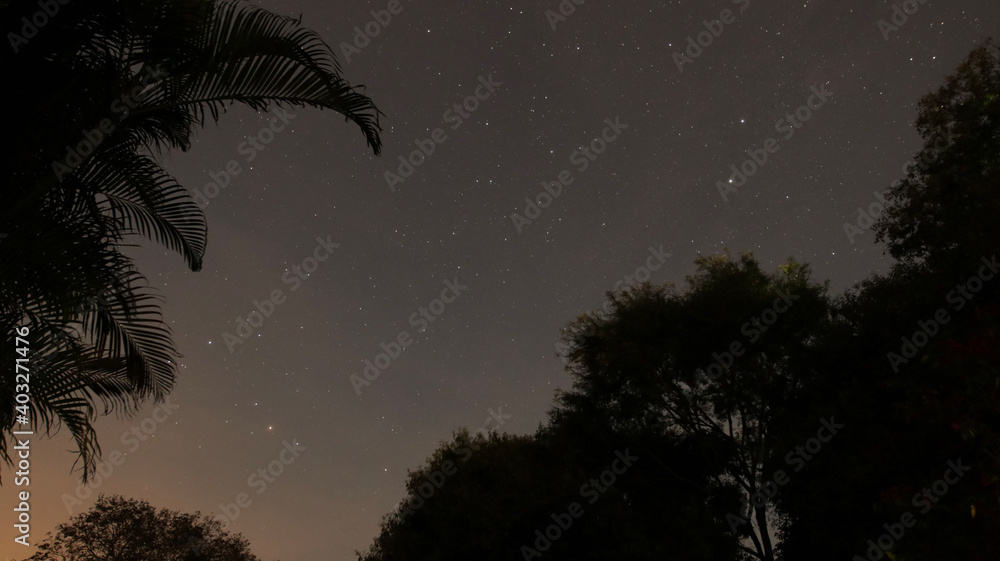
[
  {"x": 946, "y": 207},
  {"x": 924, "y": 386},
  {"x": 718, "y": 362},
  {"x": 104, "y": 88},
  {"x": 501, "y": 497},
  {"x": 717, "y": 384},
  {"x": 121, "y": 529}
]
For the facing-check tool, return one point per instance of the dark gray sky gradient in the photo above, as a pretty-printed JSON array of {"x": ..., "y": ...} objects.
[{"x": 655, "y": 185}]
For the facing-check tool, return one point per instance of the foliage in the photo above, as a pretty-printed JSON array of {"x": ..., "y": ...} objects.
[
  {"x": 719, "y": 361},
  {"x": 120, "y": 529},
  {"x": 945, "y": 210},
  {"x": 103, "y": 89},
  {"x": 487, "y": 496}
]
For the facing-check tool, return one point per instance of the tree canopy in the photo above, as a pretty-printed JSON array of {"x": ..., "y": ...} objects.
[
  {"x": 773, "y": 420},
  {"x": 121, "y": 529},
  {"x": 103, "y": 89}
]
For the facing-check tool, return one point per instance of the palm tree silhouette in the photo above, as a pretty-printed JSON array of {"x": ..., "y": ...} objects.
[{"x": 101, "y": 88}]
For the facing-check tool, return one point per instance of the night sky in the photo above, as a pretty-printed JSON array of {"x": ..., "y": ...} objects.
[{"x": 446, "y": 232}]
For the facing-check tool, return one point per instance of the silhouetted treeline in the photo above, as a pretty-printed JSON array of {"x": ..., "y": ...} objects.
[{"x": 860, "y": 426}]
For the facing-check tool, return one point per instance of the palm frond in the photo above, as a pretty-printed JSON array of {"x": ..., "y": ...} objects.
[
  {"x": 248, "y": 55},
  {"x": 144, "y": 199}
]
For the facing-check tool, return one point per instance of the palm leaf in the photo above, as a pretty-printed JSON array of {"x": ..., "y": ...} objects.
[
  {"x": 248, "y": 55},
  {"x": 144, "y": 199}
]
